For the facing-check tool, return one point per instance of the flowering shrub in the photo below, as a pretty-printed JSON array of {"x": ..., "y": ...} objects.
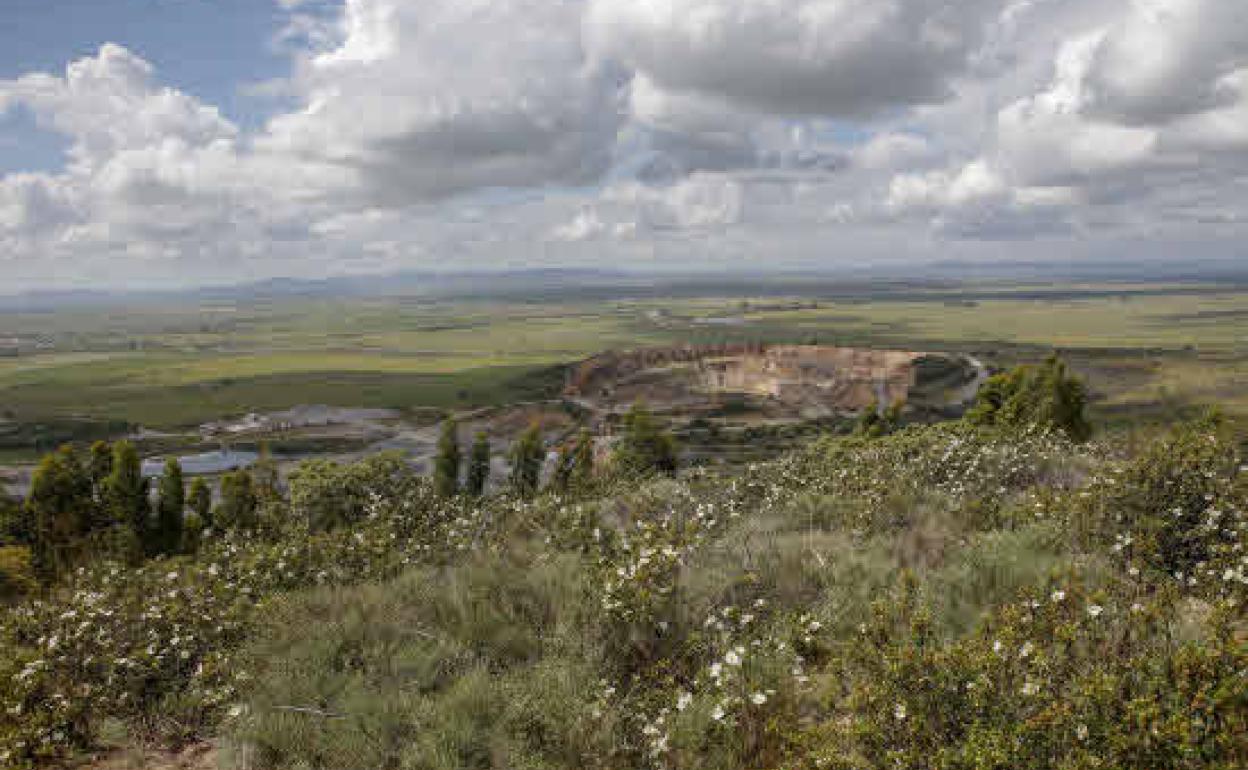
[
  {"x": 123, "y": 642},
  {"x": 708, "y": 620},
  {"x": 1065, "y": 678}
]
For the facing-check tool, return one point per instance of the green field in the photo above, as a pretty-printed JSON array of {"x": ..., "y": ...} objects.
[{"x": 1144, "y": 347}]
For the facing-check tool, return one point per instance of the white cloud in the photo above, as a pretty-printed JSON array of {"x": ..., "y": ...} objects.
[
  {"x": 483, "y": 132},
  {"x": 802, "y": 57},
  {"x": 1141, "y": 114},
  {"x": 424, "y": 100}
]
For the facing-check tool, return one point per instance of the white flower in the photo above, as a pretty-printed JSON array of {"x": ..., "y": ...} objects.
[
  {"x": 899, "y": 712},
  {"x": 718, "y": 713},
  {"x": 1030, "y": 688},
  {"x": 733, "y": 658},
  {"x": 1058, "y": 596},
  {"x": 1081, "y": 732},
  {"x": 758, "y": 698},
  {"x": 683, "y": 700},
  {"x": 1095, "y": 610}
]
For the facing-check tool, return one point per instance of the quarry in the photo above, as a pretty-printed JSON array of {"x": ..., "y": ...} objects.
[{"x": 778, "y": 381}]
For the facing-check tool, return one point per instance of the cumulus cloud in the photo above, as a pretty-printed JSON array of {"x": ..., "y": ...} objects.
[
  {"x": 803, "y": 57},
  {"x": 430, "y": 99},
  {"x": 453, "y": 132},
  {"x": 1147, "y": 108}
]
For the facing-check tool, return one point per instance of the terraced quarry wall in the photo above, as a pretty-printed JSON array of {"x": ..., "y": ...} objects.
[{"x": 799, "y": 377}]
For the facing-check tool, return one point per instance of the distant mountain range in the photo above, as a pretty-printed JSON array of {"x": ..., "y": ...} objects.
[{"x": 542, "y": 283}]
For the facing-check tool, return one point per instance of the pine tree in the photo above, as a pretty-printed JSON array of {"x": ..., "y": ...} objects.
[
  {"x": 99, "y": 466},
  {"x": 446, "y": 465},
  {"x": 527, "y": 456},
  {"x": 200, "y": 501},
  {"x": 170, "y": 507},
  {"x": 645, "y": 447},
  {"x": 58, "y": 512},
  {"x": 126, "y": 493},
  {"x": 478, "y": 466},
  {"x": 237, "y": 509}
]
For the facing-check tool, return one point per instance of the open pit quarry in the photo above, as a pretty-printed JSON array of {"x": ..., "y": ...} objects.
[{"x": 782, "y": 380}]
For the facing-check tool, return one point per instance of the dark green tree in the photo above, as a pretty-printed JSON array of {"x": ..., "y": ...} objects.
[
  {"x": 127, "y": 495},
  {"x": 59, "y": 512},
  {"x": 100, "y": 465},
  {"x": 237, "y": 509},
  {"x": 200, "y": 501},
  {"x": 170, "y": 508},
  {"x": 1048, "y": 395},
  {"x": 478, "y": 466},
  {"x": 527, "y": 456},
  {"x": 446, "y": 464},
  {"x": 645, "y": 447}
]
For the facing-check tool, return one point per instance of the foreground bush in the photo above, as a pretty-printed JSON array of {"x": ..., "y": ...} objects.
[{"x": 743, "y": 621}]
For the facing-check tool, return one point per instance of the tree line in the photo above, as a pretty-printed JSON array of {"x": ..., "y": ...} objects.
[{"x": 101, "y": 505}]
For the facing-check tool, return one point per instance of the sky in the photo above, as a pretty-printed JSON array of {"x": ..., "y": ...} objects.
[{"x": 170, "y": 143}]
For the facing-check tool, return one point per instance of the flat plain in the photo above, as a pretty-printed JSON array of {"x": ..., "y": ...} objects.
[{"x": 1146, "y": 348}]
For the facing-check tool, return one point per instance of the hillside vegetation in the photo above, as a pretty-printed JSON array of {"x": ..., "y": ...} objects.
[{"x": 995, "y": 592}]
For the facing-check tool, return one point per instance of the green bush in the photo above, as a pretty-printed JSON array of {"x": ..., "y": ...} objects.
[
  {"x": 1066, "y": 678},
  {"x": 1047, "y": 395},
  {"x": 744, "y": 619},
  {"x": 17, "y": 573}
]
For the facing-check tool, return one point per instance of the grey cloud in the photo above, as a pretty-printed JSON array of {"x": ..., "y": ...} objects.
[{"x": 804, "y": 57}]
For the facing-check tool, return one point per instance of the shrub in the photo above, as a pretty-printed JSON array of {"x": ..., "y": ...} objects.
[
  {"x": 17, "y": 574},
  {"x": 644, "y": 446},
  {"x": 1065, "y": 678},
  {"x": 1048, "y": 395}
]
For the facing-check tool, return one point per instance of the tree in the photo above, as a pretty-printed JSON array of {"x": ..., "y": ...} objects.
[
  {"x": 265, "y": 476},
  {"x": 127, "y": 495},
  {"x": 527, "y": 456},
  {"x": 645, "y": 447},
  {"x": 874, "y": 421},
  {"x": 58, "y": 512},
  {"x": 583, "y": 460},
  {"x": 478, "y": 466},
  {"x": 170, "y": 508},
  {"x": 446, "y": 464},
  {"x": 1047, "y": 395},
  {"x": 200, "y": 501},
  {"x": 99, "y": 466},
  {"x": 237, "y": 509}
]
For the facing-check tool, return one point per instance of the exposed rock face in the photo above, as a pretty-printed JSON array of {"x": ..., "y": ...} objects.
[
  {"x": 795, "y": 378},
  {"x": 846, "y": 378}
]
